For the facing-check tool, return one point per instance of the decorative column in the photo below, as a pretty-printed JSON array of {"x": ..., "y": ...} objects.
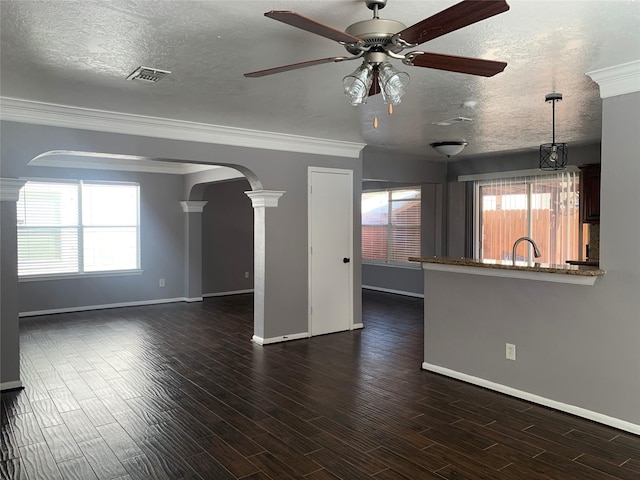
[
  {"x": 620, "y": 172},
  {"x": 260, "y": 200},
  {"x": 10, "y": 338},
  {"x": 193, "y": 250}
]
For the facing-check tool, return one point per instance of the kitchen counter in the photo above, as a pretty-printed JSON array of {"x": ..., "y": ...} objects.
[
  {"x": 565, "y": 273},
  {"x": 589, "y": 263}
]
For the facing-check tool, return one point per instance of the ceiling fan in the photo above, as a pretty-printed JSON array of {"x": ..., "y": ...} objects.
[{"x": 379, "y": 40}]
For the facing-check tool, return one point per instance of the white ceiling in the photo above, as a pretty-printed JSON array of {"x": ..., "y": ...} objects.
[{"x": 79, "y": 53}]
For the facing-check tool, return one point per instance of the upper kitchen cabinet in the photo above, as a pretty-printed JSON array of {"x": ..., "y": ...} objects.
[{"x": 590, "y": 193}]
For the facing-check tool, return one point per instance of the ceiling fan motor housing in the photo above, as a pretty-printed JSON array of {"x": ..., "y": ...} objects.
[
  {"x": 375, "y": 32},
  {"x": 372, "y": 4}
]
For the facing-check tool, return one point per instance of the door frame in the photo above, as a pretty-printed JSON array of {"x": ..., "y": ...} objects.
[{"x": 349, "y": 174}]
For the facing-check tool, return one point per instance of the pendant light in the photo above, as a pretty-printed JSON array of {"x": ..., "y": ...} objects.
[{"x": 553, "y": 156}]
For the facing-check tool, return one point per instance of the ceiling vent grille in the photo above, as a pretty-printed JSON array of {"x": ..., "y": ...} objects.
[
  {"x": 451, "y": 121},
  {"x": 149, "y": 75}
]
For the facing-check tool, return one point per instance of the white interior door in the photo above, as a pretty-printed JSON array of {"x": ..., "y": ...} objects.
[{"x": 330, "y": 250}]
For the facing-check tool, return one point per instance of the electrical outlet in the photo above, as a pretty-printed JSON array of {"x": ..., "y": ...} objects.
[
  {"x": 246, "y": 274},
  {"x": 511, "y": 351},
  {"x": 161, "y": 282}
]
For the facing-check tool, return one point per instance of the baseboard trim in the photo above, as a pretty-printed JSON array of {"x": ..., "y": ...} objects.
[
  {"x": 193, "y": 299},
  {"x": 357, "y": 326},
  {"x": 283, "y": 338},
  {"x": 16, "y": 384},
  {"x": 547, "y": 402},
  {"x": 390, "y": 290},
  {"x": 140, "y": 303},
  {"x": 225, "y": 294}
]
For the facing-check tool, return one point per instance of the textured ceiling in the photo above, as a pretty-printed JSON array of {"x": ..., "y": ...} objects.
[{"x": 80, "y": 52}]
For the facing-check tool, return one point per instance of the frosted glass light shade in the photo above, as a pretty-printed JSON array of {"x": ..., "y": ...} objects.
[{"x": 449, "y": 149}]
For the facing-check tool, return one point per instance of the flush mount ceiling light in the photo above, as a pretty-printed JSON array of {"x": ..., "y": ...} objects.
[
  {"x": 378, "y": 41},
  {"x": 448, "y": 149},
  {"x": 553, "y": 156}
]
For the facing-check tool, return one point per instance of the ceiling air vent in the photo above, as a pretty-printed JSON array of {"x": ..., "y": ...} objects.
[
  {"x": 451, "y": 121},
  {"x": 149, "y": 75}
]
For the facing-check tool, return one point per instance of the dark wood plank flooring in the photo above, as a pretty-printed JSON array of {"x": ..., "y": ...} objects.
[{"x": 179, "y": 392}]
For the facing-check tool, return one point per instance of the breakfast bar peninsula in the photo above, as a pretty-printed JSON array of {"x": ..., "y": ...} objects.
[{"x": 524, "y": 329}]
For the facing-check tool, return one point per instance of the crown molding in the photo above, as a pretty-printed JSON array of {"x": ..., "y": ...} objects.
[
  {"x": 40, "y": 113},
  {"x": 617, "y": 80}
]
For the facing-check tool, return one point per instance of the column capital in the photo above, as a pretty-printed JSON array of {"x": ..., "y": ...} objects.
[
  {"x": 192, "y": 206},
  {"x": 264, "y": 198},
  {"x": 10, "y": 189},
  {"x": 617, "y": 80}
]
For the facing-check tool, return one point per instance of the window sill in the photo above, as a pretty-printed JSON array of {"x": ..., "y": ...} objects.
[{"x": 67, "y": 276}]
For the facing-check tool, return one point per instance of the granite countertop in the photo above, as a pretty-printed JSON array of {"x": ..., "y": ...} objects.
[
  {"x": 579, "y": 270},
  {"x": 589, "y": 263}
]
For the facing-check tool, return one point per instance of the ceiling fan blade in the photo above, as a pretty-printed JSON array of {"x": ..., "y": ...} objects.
[
  {"x": 453, "y": 18},
  {"x": 452, "y": 63},
  {"x": 295, "y": 66},
  {"x": 305, "y": 23}
]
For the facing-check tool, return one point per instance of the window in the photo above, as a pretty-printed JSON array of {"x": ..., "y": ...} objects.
[
  {"x": 543, "y": 207},
  {"x": 391, "y": 225},
  {"x": 77, "y": 227}
]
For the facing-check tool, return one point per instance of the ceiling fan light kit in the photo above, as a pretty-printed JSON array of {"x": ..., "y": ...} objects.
[
  {"x": 553, "y": 156},
  {"x": 357, "y": 85},
  {"x": 379, "y": 40},
  {"x": 394, "y": 83},
  {"x": 448, "y": 149}
]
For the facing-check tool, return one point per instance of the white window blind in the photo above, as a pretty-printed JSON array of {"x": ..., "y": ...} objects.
[
  {"x": 391, "y": 222},
  {"x": 77, "y": 227},
  {"x": 543, "y": 207}
]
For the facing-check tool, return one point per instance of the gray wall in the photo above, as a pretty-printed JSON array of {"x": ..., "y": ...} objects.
[
  {"x": 161, "y": 240},
  {"x": 383, "y": 165},
  {"x": 9, "y": 346},
  {"x": 391, "y": 169},
  {"x": 523, "y": 160},
  {"x": 286, "y": 233},
  {"x": 578, "y": 345},
  {"x": 227, "y": 238}
]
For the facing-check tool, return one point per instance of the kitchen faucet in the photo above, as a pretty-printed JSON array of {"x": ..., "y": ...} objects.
[{"x": 536, "y": 252}]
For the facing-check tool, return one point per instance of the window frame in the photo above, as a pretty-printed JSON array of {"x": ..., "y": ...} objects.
[
  {"x": 81, "y": 272},
  {"x": 528, "y": 180},
  {"x": 389, "y": 228}
]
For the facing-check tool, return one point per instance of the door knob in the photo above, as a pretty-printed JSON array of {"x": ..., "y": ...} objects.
[{"x": 346, "y": 260}]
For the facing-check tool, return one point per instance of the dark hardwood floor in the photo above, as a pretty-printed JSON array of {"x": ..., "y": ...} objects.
[{"x": 179, "y": 392}]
